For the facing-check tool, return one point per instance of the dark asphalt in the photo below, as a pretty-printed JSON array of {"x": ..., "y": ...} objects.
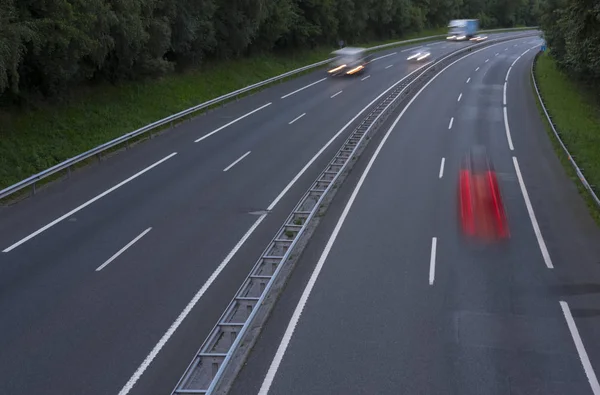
[
  {"x": 491, "y": 322},
  {"x": 66, "y": 328}
]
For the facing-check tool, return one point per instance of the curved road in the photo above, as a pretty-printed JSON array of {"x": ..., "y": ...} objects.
[
  {"x": 388, "y": 299},
  {"x": 110, "y": 281}
]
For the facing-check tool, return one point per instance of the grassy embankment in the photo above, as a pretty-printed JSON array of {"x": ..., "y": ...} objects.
[
  {"x": 35, "y": 140},
  {"x": 575, "y": 113}
]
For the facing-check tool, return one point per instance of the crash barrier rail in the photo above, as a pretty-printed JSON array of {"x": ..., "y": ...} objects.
[
  {"x": 205, "y": 372},
  {"x": 126, "y": 138},
  {"x": 578, "y": 170}
]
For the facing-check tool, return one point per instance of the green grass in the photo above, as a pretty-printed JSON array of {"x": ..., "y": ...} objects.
[
  {"x": 575, "y": 113},
  {"x": 34, "y": 140}
]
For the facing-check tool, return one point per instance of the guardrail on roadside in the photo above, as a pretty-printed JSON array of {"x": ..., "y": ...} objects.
[
  {"x": 206, "y": 370},
  {"x": 557, "y": 135},
  {"x": 97, "y": 151}
]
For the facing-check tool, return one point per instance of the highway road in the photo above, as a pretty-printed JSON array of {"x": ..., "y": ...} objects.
[
  {"x": 111, "y": 280},
  {"x": 388, "y": 298}
]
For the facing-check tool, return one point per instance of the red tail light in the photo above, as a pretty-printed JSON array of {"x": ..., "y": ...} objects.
[
  {"x": 497, "y": 206},
  {"x": 466, "y": 202}
]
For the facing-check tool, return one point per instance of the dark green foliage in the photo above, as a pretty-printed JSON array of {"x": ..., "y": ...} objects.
[
  {"x": 572, "y": 31},
  {"x": 48, "y": 46}
]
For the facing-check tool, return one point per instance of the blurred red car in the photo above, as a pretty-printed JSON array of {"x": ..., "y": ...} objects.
[{"x": 481, "y": 209}]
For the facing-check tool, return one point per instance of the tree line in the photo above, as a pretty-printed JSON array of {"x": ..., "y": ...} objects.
[
  {"x": 47, "y": 46},
  {"x": 572, "y": 32}
]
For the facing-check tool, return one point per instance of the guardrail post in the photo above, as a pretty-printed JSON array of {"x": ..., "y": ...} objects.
[
  {"x": 33, "y": 189},
  {"x": 69, "y": 172}
]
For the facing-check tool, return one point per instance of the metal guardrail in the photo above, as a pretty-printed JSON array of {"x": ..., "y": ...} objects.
[
  {"x": 205, "y": 371},
  {"x": 97, "y": 151},
  {"x": 557, "y": 135}
]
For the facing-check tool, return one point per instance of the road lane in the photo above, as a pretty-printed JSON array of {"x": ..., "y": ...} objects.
[
  {"x": 50, "y": 282},
  {"x": 491, "y": 323},
  {"x": 570, "y": 233}
]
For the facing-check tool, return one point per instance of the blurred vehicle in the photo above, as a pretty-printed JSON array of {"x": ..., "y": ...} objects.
[
  {"x": 462, "y": 29},
  {"x": 348, "y": 61},
  {"x": 479, "y": 38},
  {"x": 419, "y": 54},
  {"x": 481, "y": 208}
]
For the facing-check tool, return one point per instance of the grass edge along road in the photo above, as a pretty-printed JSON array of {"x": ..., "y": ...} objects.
[
  {"x": 32, "y": 141},
  {"x": 576, "y": 116}
]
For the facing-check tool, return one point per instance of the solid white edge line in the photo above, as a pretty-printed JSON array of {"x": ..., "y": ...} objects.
[
  {"x": 468, "y": 80},
  {"x": 231, "y": 123},
  {"x": 297, "y": 118},
  {"x": 507, "y": 129},
  {"x": 122, "y": 250},
  {"x": 384, "y": 56},
  {"x": 142, "y": 368},
  {"x": 459, "y": 97},
  {"x": 287, "y": 336},
  {"x": 451, "y": 122},
  {"x": 362, "y": 79},
  {"x": 316, "y": 156},
  {"x": 84, "y": 205},
  {"x": 432, "y": 260},
  {"x": 165, "y": 338},
  {"x": 237, "y": 161},
  {"x": 583, "y": 356},
  {"x": 534, "y": 223},
  {"x": 442, "y": 167},
  {"x": 303, "y": 88},
  {"x": 335, "y": 94},
  {"x": 387, "y": 67}
]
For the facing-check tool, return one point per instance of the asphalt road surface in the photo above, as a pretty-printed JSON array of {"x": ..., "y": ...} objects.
[
  {"x": 388, "y": 298},
  {"x": 96, "y": 272}
]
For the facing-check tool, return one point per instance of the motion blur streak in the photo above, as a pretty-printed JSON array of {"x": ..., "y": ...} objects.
[
  {"x": 482, "y": 210},
  {"x": 466, "y": 206},
  {"x": 501, "y": 225}
]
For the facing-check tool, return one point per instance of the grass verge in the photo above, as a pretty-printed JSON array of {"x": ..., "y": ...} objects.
[
  {"x": 34, "y": 140},
  {"x": 575, "y": 113}
]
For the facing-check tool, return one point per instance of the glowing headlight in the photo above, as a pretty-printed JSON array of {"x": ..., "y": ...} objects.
[
  {"x": 354, "y": 70},
  {"x": 337, "y": 69}
]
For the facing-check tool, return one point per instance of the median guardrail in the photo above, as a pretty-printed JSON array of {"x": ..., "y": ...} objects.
[
  {"x": 97, "y": 151},
  {"x": 578, "y": 170}
]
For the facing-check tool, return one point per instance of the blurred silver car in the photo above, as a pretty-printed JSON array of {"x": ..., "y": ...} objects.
[
  {"x": 348, "y": 61},
  {"x": 419, "y": 54}
]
